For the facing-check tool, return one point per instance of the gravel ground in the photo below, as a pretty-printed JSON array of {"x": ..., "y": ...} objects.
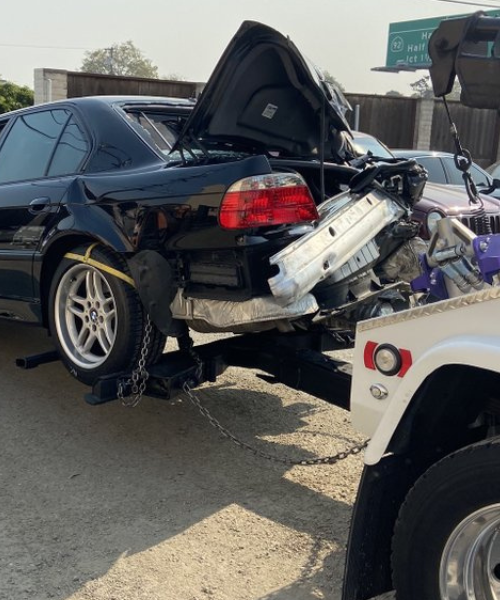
[{"x": 108, "y": 503}]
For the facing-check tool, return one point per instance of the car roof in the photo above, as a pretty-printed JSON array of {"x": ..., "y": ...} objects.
[
  {"x": 361, "y": 134},
  {"x": 405, "y": 153},
  {"x": 112, "y": 101}
]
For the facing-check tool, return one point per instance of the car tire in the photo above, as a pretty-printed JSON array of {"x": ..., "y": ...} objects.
[
  {"x": 446, "y": 542},
  {"x": 96, "y": 319}
]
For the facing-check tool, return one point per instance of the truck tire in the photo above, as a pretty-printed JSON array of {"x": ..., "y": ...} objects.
[
  {"x": 96, "y": 319},
  {"x": 446, "y": 542}
]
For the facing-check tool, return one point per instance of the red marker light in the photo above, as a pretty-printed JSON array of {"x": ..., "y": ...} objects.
[
  {"x": 387, "y": 359},
  {"x": 406, "y": 362},
  {"x": 368, "y": 355}
]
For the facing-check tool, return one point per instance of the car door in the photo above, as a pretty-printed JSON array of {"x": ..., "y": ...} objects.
[{"x": 40, "y": 154}]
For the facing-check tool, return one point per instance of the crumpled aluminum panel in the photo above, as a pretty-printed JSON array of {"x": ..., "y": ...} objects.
[
  {"x": 338, "y": 237},
  {"x": 367, "y": 255},
  {"x": 227, "y": 315}
]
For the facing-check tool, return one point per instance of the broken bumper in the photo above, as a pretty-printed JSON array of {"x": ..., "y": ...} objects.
[{"x": 347, "y": 223}]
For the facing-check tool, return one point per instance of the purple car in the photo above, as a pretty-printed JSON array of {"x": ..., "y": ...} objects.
[{"x": 439, "y": 200}]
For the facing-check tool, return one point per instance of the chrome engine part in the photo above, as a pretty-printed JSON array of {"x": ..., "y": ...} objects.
[{"x": 451, "y": 250}]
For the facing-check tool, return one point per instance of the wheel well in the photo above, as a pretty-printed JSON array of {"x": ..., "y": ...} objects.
[
  {"x": 51, "y": 261},
  {"x": 455, "y": 406}
]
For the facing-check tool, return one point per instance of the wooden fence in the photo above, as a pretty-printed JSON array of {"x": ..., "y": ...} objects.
[
  {"x": 400, "y": 122},
  {"x": 394, "y": 121},
  {"x": 91, "y": 84},
  {"x": 391, "y": 119},
  {"x": 478, "y": 129}
]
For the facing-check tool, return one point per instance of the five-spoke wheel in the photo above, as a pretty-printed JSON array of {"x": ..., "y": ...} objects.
[
  {"x": 86, "y": 315},
  {"x": 96, "y": 318}
]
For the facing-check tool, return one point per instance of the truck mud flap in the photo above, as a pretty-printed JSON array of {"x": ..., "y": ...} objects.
[{"x": 381, "y": 492}]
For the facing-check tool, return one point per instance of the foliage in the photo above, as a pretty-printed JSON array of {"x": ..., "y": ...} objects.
[
  {"x": 394, "y": 93},
  {"x": 422, "y": 88},
  {"x": 119, "y": 59},
  {"x": 14, "y": 96},
  {"x": 331, "y": 79},
  {"x": 174, "y": 77}
]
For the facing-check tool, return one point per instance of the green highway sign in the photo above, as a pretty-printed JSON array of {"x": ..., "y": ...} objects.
[{"x": 407, "y": 44}]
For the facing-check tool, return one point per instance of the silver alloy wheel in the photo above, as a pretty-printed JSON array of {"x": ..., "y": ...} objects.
[
  {"x": 85, "y": 316},
  {"x": 470, "y": 564}
]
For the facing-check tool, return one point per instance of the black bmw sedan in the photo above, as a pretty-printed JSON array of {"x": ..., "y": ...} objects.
[{"x": 127, "y": 219}]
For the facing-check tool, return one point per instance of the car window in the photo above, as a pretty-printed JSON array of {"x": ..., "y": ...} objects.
[
  {"x": 455, "y": 176},
  {"x": 494, "y": 170},
  {"x": 364, "y": 144},
  {"x": 434, "y": 168},
  {"x": 479, "y": 176},
  {"x": 70, "y": 152},
  {"x": 159, "y": 129},
  {"x": 29, "y": 145}
]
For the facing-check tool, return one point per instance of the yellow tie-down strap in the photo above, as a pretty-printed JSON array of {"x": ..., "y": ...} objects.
[{"x": 85, "y": 258}]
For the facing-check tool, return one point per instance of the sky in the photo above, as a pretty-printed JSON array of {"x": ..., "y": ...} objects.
[{"x": 345, "y": 37}]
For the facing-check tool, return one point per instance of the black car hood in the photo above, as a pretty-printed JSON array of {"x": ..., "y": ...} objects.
[{"x": 265, "y": 95}]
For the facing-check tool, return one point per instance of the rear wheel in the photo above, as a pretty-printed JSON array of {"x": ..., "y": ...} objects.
[
  {"x": 97, "y": 319},
  {"x": 447, "y": 539}
]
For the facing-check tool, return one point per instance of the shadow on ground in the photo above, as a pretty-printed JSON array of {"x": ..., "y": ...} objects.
[{"x": 154, "y": 495}]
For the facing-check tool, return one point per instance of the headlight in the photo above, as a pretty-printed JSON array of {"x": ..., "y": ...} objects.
[{"x": 432, "y": 218}]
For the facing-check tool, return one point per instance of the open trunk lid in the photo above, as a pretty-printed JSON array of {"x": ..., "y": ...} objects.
[{"x": 264, "y": 95}]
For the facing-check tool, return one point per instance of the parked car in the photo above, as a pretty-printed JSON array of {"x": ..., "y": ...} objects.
[
  {"x": 364, "y": 143},
  {"x": 439, "y": 199},
  {"x": 442, "y": 169},
  {"x": 494, "y": 170},
  {"x": 123, "y": 220}
]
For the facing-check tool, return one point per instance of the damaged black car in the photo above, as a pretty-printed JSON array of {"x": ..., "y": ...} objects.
[{"x": 130, "y": 218}]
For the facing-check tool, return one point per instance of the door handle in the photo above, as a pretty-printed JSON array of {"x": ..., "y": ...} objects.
[{"x": 40, "y": 205}]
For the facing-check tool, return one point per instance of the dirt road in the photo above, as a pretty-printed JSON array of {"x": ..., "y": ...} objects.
[{"x": 108, "y": 503}]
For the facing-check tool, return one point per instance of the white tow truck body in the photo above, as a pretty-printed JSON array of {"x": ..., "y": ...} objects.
[
  {"x": 426, "y": 386},
  {"x": 459, "y": 331},
  {"x": 427, "y": 518}
]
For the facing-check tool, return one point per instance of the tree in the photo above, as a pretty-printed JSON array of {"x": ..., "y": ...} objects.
[
  {"x": 174, "y": 77},
  {"x": 14, "y": 96},
  {"x": 331, "y": 79},
  {"x": 394, "y": 93},
  {"x": 422, "y": 89},
  {"x": 119, "y": 59}
]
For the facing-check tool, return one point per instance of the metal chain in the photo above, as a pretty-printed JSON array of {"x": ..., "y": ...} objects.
[
  {"x": 307, "y": 462},
  {"x": 138, "y": 382},
  {"x": 139, "y": 378}
]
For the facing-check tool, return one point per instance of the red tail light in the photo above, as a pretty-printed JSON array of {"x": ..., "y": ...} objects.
[{"x": 264, "y": 200}]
